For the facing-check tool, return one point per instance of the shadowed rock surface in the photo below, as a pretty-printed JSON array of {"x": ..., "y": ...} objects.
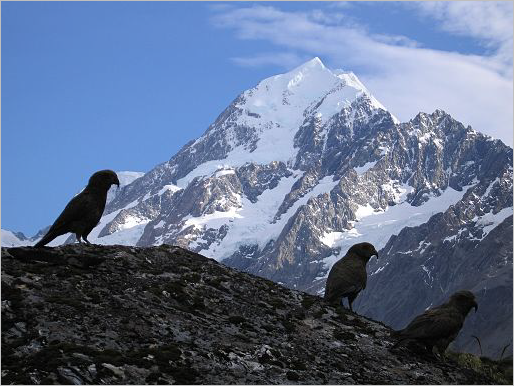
[{"x": 126, "y": 315}]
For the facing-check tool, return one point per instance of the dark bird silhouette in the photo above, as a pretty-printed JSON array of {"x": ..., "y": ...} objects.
[
  {"x": 84, "y": 210},
  {"x": 440, "y": 325},
  {"x": 348, "y": 276}
]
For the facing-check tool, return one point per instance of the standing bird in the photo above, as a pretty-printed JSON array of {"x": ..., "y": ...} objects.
[
  {"x": 440, "y": 325},
  {"x": 348, "y": 276},
  {"x": 84, "y": 210}
]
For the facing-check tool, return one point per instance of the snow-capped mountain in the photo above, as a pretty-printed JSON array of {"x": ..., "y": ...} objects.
[
  {"x": 305, "y": 164},
  {"x": 12, "y": 239}
]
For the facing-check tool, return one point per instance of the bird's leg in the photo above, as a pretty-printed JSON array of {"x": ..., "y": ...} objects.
[
  {"x": 351, "y": 298},
  {"x": 78, "y": 237},
  {"x": 441, "y": 352},
  {"x": 430, "y": 351},
  {"x": 86, "y": 240},
  {"x": 341, "y": 303}
]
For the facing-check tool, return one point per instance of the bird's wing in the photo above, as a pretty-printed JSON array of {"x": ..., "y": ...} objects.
[
  {"x": 438, "y": 322},
  {"x": 76, "y": 209},
  {"x": 344, "y": 289},
  {"x": 345, "y": 278}
]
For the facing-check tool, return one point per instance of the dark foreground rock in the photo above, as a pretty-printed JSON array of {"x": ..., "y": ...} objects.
[{"x": 81, "y": 314}]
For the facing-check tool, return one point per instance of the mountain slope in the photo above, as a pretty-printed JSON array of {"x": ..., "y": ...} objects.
[{"x": 119, "y": 315}]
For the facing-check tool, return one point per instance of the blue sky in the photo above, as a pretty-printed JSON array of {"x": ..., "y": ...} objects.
[{"x": 124, "y": 85}]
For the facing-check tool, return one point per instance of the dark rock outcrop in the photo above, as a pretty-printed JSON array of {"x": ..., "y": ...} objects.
[{"x": 116, "y": 315}]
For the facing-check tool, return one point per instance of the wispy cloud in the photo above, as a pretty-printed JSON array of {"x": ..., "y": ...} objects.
[
  {"x": 489, "y": 21},
  {"x": 405, "y": 77}
]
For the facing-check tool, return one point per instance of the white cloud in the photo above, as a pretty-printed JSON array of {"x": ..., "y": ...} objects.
[
  {"x": 489, "y": 21},
  {"x": 482, "y": 19},
  {"x": 406, "y": 78}
]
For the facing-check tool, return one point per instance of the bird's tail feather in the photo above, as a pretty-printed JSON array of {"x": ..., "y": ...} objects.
[{"x": 46, "y": 239}]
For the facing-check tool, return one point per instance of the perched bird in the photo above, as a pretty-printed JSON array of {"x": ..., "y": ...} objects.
[
  {"x": 348, "y": 276},
  {"x": 84, "y": 210},
  {"x": 440, "y": 325}
]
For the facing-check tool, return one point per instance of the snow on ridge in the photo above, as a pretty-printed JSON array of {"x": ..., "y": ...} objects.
[
  {"x": 249, "y": 224},
  {"x": 364, "y": 168},
  {"x": 125, "y": 178},
  {"x": 450, "y": 239},
  {"x": 377, "y": 227},
  {"x": 379, "y": 269},
  {"x": 160, "y": 224},
  {"x": 364, "y": 211},
  {"x": 212, "y": 220},
  {"x": 398, "y": 190},
  {"x": 428, "y": 273},
  {"x": 170, "y": 187},
  {"x": 132, "y": 221},
  {"x": 209, "y": 168},
  {"x": 254, "y": 223},
  {"x": 9, "y": 239},
  {"x": 224, "y": 172},
  {"x": 330, "y": 238},
  {"x": 489, "y": 221},
  {"x": 497, "y": 180},
  {"x": 129, "y": 233}
]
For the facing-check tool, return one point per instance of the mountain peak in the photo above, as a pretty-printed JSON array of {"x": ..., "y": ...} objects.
[
  {"x": 306, "y": 85},
  {"x": 270, "y": 115},
  {"x": 315, "y": 80},
  {"x": 314, "y": 63}
]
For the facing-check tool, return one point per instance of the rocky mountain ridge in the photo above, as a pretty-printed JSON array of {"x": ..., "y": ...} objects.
[{"x": 82, "y": 314}]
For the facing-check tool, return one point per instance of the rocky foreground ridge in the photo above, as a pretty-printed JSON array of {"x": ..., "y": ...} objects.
[{"x": 79, "y": 314}]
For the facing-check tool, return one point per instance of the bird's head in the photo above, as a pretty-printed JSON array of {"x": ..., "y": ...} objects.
[
  {"x": 364, "y": 251},
  {"x": 464, "y": 301},
  {"x": 103, "y": 179}
]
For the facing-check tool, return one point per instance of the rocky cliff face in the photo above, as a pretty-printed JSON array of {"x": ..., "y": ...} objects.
[
  {"x": 307, "y": 163},
  {"x": 118, "y": 315}
]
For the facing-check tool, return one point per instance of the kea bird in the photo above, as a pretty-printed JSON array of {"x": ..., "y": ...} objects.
[
  {"x": 438, "y": 326},
  {"x": 348, "y": 276},
  {"x": 84, "y": 210}
]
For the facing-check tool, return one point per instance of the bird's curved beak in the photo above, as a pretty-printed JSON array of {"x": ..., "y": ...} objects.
[{"x": 376, "y": 254}]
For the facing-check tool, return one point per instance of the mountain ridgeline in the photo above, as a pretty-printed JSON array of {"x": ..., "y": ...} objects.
[{"x": 308, "y": 163}]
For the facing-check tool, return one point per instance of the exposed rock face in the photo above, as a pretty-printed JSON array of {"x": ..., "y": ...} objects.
[{"x": 119, "y": 315}]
